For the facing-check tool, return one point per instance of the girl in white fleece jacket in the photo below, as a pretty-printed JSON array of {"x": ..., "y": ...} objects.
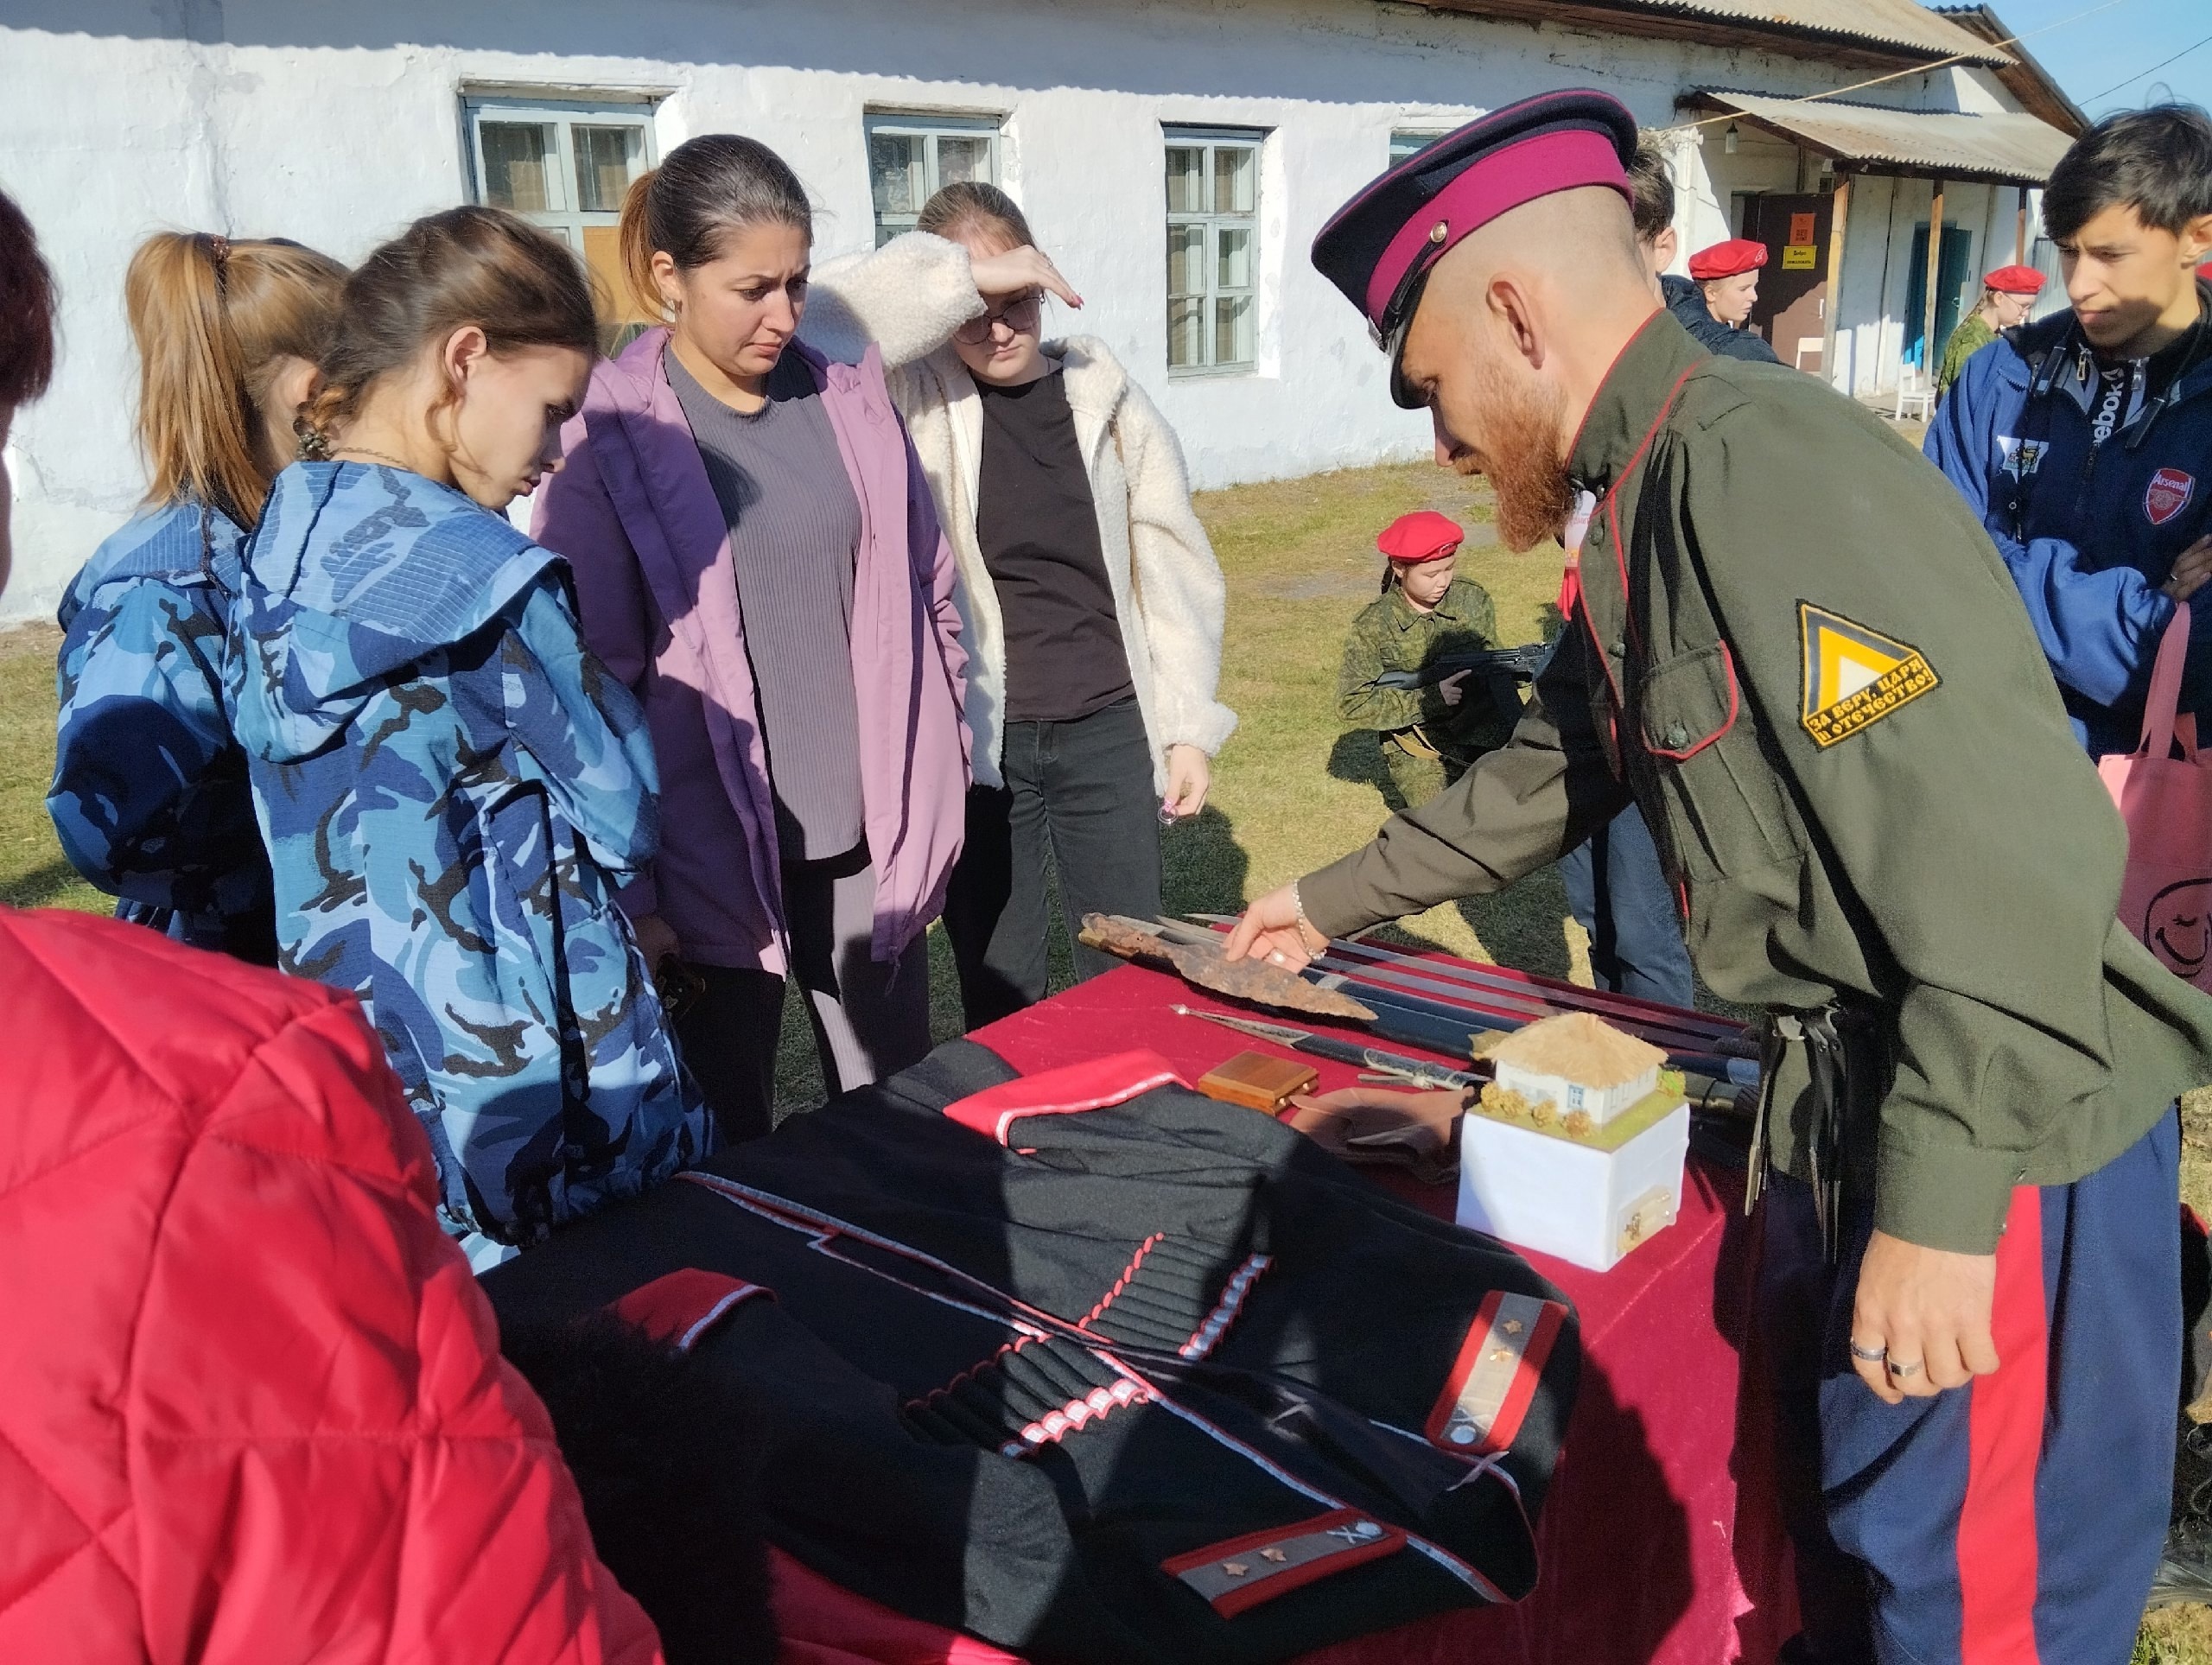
[{"x": 1090, "y": 601}]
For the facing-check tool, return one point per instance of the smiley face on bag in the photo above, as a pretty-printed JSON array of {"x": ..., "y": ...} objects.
[{"x": 2176, "y": 928}]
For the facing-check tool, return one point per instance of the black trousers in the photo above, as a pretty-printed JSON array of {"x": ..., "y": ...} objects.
[
  {"x": 870, "y": 1020},
  {"x": 1080, "y": 793}
]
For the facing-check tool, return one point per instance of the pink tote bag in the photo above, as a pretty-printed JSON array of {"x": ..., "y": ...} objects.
[{"x": 2166, "y": 897}]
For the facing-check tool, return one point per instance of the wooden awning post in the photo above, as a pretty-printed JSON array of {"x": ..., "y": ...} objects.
[
  {"x": 1838, "y": 208},
  {"x": 2020, "y": 230},
  {"x": 1931, "y": 351}
]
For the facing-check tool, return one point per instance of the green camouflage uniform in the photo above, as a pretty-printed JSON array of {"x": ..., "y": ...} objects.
[
  {"x": 1972, "y": 335},
  {"x": 1426, "y": 744}
]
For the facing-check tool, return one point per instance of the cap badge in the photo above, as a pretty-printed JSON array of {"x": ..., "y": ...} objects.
[{"x": 1440, "y": 231}]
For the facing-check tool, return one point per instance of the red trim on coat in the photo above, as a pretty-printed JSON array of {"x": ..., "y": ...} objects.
[
  {"x": 1230, "y": 1603},
  {"x": 1093, "y": 1084},
  {"x": 681, "y": 1307},
  {"x": 2005, "y": 1423},
  {"x": 1612, "y": 495},
  {"x": 1728, "y": 662},
  {"x": 1121, "y": 1282},
  {"x": 1054, "y": 1425},
  {"x": 1513, "y": 1409},
  {"x": 1226, "y": 1309}
]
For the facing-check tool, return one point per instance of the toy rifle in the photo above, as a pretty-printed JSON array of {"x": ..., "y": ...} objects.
[{"x": 1520, "y": 664}]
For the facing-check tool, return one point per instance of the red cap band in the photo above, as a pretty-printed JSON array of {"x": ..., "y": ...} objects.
[{"x": 1562, "y": 161}]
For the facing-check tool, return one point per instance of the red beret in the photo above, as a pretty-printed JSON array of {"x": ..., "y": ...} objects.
[
  {"x": 2015, "y": 280},
  {"x": 1731, "y": 259},
  {"x": 2204, "y": 271},
  {"x": 1421, "y": 536}
]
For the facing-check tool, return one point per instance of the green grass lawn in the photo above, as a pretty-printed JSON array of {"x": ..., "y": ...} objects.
[{"x": 1289, "y": 791}]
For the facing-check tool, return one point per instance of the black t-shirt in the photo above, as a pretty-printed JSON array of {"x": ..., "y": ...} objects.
[{"x": 1039, "y": 532}]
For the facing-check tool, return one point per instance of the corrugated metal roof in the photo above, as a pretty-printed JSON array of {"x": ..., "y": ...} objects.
[
  {"x": 2010, "y": 147},
  {"x": 1885, "y": 23}
]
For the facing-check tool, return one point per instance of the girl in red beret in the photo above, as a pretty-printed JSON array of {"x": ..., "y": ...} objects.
[{"x": 2008, "y": 296}]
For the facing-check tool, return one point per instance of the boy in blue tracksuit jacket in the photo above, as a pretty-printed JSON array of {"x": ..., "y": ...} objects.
[{"x": 2085, "y": 439}]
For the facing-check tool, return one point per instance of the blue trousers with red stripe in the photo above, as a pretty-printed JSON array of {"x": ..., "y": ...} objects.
[{"x": 2016, "y": 1521}]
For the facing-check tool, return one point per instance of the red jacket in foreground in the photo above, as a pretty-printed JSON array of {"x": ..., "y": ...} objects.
[{"x": 251, "y": 1403}]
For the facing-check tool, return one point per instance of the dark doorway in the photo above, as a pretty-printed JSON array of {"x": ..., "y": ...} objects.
[
  {"x": 1791, "y": 310},
  {"x": 1950, "y": 283}
]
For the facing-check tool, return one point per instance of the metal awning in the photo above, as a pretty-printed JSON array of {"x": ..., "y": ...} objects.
[{"x": 2004, "y": 149}]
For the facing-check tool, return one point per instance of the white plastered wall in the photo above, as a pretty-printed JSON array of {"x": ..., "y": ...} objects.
[{"x": 335, "y": 123}]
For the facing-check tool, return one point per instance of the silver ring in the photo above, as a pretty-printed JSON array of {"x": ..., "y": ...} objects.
[
  {"x": 1277, "y": 956},
  {"x": 1871, "y": 1355},
  {"x": 1912, "y": 1368}
]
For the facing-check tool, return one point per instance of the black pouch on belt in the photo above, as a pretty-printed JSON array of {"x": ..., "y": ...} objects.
[{"x": 1840, "y": 1045}]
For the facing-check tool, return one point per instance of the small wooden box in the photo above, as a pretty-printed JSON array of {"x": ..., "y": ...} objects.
[{"x": 1258, "y": 1081}]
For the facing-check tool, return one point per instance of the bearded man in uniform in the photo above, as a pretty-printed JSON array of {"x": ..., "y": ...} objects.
[{"x": 1796, "y": 648}]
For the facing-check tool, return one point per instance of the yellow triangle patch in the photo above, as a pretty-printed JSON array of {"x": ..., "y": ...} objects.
[{"x": 1854, "y": 676}]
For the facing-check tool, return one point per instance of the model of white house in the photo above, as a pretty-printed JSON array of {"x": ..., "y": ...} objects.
[
  {"x": 1576, "y": 1149},
  {"x": 1577, "y": 1062}
]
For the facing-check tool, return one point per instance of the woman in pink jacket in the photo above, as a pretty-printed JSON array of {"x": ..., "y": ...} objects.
[{"x": 756, "y": 555}]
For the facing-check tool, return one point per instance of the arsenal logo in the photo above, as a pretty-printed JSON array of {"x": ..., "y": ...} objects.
[{"x": 2169, "y": 493}]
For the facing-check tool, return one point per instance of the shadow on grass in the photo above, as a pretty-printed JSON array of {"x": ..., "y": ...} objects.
[
  {"x": 43, "y": 886},
  {"x": 1518, "y": 926}
]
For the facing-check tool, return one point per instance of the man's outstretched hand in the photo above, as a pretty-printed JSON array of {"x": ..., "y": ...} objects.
[
  {"x": 1271, "y": 930},
  {"x": 1928, "y": 1310}
]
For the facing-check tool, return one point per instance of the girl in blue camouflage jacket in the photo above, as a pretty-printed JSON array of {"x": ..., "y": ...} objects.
[
  {"x": 450, "y": 785},
  {"x": 149, "y": 796}
]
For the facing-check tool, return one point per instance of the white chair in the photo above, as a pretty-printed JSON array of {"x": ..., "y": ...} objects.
[{"x": 1915, "y": 391}]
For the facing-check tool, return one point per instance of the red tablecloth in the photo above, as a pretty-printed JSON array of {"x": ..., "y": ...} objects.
[{"x": 1662, "y": 1541}]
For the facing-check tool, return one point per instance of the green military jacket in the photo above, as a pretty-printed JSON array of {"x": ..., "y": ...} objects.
[
  {"x": 1972, "y": 335},
  {"x": 1392, "y": 634},
  {"x": 1799, "y": 651}
]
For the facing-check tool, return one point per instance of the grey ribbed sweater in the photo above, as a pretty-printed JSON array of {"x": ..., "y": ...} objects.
[{"x": 794, "y": 524}]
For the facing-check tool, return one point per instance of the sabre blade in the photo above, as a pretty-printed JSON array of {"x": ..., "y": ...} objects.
[
  {"x": 1282, "y": 1034},
  {"x": 1519, "y": 998}
]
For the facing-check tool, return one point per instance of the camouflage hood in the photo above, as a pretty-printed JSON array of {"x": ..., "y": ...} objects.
[
  {"x": 356, "y": 573},
  {"x": 184, "y": 544}
]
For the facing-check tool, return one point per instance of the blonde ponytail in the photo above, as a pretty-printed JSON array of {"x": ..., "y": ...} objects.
[
  {"x": 213, "y": 321},
  {"x": 637, "y": 245}
]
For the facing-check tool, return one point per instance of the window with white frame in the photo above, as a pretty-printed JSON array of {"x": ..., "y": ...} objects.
[
  {"x": 1213, "y": 237},
  {"x": 565, "y": 166},
  {"x": 1407, "y": 142},
  {"x": 910, "y": 157}
]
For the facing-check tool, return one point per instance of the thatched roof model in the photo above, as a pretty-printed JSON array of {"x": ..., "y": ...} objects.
[{"x": 1581, "y": 1048}]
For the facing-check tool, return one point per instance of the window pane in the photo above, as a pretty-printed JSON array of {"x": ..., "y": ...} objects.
[
  {"x": 1187, "y": 260},
  {"x": 1233, "y": 171},
  {"x": 1186, "y": 172},
  {"x": 960, "y": 158},
  {"x": 894, "y": 173},
  {"x": 1407, "y": 144},
  {"x": 518, "y": 160},
  {"x": 1185, "y": 326},
  {"x": 1232, "y": 330},
  {"x": 607, "y": 159},
  {"x": 1232, "y": 258}
]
